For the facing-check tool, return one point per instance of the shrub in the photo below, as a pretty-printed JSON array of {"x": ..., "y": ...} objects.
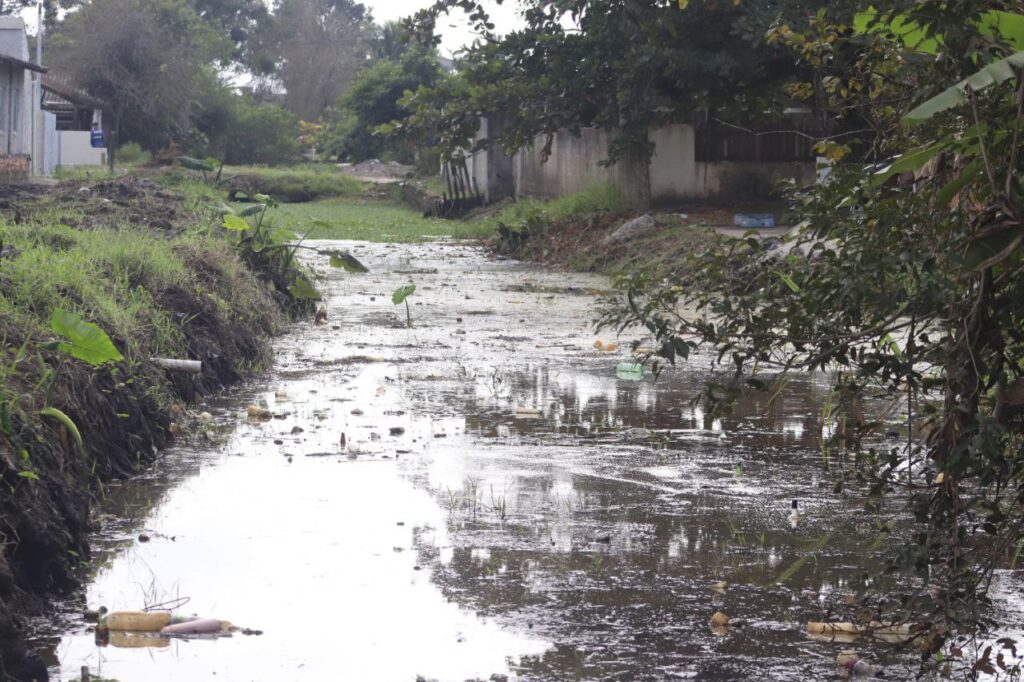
[
  {"x": 132, "y": 152},
  {"x": 261, "y": 133}
]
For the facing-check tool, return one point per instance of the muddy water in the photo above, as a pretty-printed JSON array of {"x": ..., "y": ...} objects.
[{"x": 504, "y": 505}]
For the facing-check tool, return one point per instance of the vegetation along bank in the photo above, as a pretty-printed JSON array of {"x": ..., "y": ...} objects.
[{"x": 97, "y": 280}]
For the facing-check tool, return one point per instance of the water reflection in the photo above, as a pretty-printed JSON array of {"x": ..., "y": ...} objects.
[{"x": 502, "y": 504}]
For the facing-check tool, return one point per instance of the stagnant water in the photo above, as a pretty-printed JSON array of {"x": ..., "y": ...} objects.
[{"x": 504, "y": 505}]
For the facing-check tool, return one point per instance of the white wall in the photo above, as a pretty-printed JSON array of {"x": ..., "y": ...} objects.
[
  {"x": 673, "y": 168},
  {"x": 76, "y": 149},
  {"x": 674, "y": 173}
]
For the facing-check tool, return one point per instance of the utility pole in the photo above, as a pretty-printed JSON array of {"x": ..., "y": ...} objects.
[{"x": 38, "y": 125}]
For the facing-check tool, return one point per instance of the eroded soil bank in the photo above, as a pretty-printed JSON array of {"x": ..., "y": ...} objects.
[
  {"x": 115, "y": 253},
  {"x": 504, "y": 504}
]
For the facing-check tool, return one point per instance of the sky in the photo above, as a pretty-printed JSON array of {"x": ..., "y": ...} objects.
[{"x": 454, "y": 30}]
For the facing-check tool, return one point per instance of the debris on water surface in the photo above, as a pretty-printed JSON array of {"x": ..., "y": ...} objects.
[
  {"x": 258, "y": 413},
  {"x": 143, "y": 538},
  {"x": 720, "y": 586},
  {"x": 528, "y": 413},
  {"x": 719, "y": 620},
  {"x": 630, "y": 370},
  {"x": 132, "y": 640},
  {"x": 199, "y": 626},
  {"x": 396, "y": 430},
  {"x": 321, "y": 316},
  {"x": 853, "y": 665},
  {"x": 606, "y": 347}
]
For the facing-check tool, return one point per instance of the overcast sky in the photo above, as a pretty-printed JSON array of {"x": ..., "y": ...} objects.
[{"x": 454, "y": 30}]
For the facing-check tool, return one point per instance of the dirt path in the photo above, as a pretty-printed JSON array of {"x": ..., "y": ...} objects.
[{"x": 504, "y": 505}]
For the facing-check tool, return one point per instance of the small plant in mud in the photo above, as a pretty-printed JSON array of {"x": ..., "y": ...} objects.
[
  {"x": 400, "y": 296},
  {"x": 270, "y": 252}
]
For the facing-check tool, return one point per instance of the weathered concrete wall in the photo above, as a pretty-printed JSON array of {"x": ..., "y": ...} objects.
[
  {"x": 491, "y": 168},
  {"x": 739, "y": 180},
  {"x": 574, "y": 165},
  {"x": 674, "y": 174},
  {"x": 673, "y": 171}
]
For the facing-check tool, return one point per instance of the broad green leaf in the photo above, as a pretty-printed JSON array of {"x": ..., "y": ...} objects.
[
  {"x": 30, "y": 475},
  {"x": 402, "y": 293},
  {"x": 788, "y": 281},
  {"x": 1010, "y": 27},
  {"x": 85, "y": 340},
  {"x": 302, "y": 290},
  {"x": 235, "y": 223},
  {"x": 344, "y": 259},
  {"x": 195, "y": 164},
  {"x": 970, "y": 173},
  {"x": 282, "y": 235},
  {"x": 993, "y": 249},
  {"x": 890, "y": 342},
  {"x": 993, "y": 74},
  {"x": 910, "y": 161},
  {"x": 909, "y": 32},
  {"x": 914, "y": 36},
  {"x": 255, "y": 209},
  {"x": 76, "y": 435}
]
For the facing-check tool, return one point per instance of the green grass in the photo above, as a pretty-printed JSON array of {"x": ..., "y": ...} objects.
[
  {"x": 306, "y": 181},
  {"x": 370, "y": 220},
  {"x": 598, "y": 199},
  {"x": 120, "y": 279}
]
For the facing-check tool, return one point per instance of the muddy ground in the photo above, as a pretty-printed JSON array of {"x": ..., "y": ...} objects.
[{"x": 504, "y": 505}]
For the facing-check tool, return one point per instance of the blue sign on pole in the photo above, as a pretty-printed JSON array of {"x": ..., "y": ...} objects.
[{"x": 97, "y": 138}]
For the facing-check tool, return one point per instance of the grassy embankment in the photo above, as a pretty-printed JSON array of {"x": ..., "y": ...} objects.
[{"x": 140, "y": 263}]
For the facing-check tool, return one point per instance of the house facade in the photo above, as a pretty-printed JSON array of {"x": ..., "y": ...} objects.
[
  {"x": 20, "y": 122},
  {"x": 74, "y": 113}
]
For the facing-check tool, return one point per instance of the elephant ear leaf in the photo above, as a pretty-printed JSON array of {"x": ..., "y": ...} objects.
[
  {"x": 993, "y": 74},
  {"x": 83, "y": 340},
  {"x": 402, "y": 293},
  {"x": 345, "y": 260},
  {"x": 195, "y": 164}
]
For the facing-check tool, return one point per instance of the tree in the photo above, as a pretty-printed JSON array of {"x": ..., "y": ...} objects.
[
  {"x": 907, "y": 288},
  {"x": 141, "y": 57},
  {"x": 352, "y": 129},
  {"x": 619, "y": 64},
  {"x": 236, "y": 19},
  {"x": 316, "y": 48}
]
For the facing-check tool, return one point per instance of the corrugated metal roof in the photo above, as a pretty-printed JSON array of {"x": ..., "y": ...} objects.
[
  {"x": 59, "y": 93},
  {"x": 19, "y": 62}
]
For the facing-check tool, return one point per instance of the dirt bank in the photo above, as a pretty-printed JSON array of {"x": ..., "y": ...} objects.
[
  {"x": 118, "y": 253},
  {"x": 584, "y": 242}
]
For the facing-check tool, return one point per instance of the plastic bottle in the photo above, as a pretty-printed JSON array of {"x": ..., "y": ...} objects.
[
  {"x": 136, "y": 621},
  {"x": 630, "y": 370}
]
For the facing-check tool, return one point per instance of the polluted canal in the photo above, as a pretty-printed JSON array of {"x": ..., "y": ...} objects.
[{"x": 478, "y": 496}]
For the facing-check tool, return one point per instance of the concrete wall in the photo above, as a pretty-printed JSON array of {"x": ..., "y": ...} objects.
[
  {"x": 748, "y": 179},
  {"x": 76, "y": 149},
  {"x": 574, "y": 165},
  {"x": 674, "y": 174}
]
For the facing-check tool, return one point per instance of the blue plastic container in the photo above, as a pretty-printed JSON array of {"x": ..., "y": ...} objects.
[{"x": 754, "y": 220}]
